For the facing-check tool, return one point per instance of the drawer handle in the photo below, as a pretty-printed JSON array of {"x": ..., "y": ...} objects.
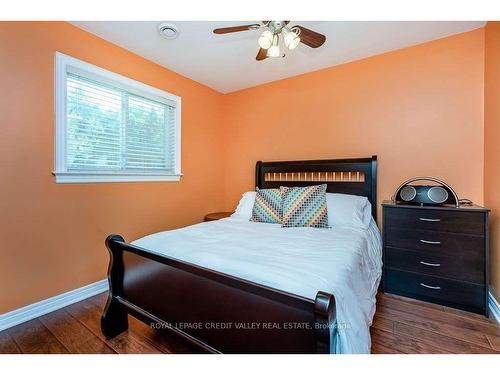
[
  {"x": 431, "y": 242},
  {"x": 427, "y": 219},
  {"x": 430, "y": 286},
  {"x": 430, "y": 264}
]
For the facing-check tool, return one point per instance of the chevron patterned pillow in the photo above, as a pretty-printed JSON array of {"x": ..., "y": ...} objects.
[
  {"x": 305, "y": 206},
  {"x": 268, "y": 206}
]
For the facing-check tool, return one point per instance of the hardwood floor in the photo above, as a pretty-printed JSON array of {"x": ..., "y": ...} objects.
[{"x": 401, "y": 325}]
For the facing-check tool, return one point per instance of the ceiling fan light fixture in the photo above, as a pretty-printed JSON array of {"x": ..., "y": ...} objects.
[
  {"x": 277, "y": 37},
  {"x": 266, "y": 39},
  {"x": 290, "y": 38}
]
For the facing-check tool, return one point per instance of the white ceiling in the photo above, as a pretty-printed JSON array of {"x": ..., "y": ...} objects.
[{"x": 227, "y": 62}]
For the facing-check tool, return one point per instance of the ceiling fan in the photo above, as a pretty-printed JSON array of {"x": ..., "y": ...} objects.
[{"x": 277, "y": 36}]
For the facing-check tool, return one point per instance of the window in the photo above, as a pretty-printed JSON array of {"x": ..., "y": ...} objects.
[{"x": 110, "y": 128}]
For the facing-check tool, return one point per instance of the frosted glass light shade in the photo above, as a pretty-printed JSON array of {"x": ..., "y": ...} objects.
[
  {"x": 266, "y": 39},
  {"x": 291, "y": 39},
  {"x": 274, "y": 51}
]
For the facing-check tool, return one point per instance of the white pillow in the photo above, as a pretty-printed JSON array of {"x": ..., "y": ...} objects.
[
  {"x": 245, "y": 207},
  {"x": 345, "y": 210}
]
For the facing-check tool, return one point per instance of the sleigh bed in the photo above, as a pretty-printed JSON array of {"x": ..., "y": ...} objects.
[{"x": 220, "y": 312}]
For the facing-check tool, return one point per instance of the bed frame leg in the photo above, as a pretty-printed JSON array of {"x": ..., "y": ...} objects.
[
  {"x": 324, "y": 317},
  {"x": 114, "y": 319}
]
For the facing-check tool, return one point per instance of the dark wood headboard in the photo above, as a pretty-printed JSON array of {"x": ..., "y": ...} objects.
[{"x": 346, "y": 176}]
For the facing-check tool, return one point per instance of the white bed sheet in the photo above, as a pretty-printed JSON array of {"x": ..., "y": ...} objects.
[{"x": 344, "y": 261}]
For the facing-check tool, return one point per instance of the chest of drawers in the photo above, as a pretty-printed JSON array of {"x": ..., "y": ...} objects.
[{"x": 437, "y": 254}]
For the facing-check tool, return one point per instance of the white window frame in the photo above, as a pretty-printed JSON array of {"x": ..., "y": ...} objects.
[{"x": 63, "y": 64}]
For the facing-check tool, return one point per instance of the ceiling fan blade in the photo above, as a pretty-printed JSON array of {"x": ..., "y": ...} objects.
[
  {"x": 311, "y": 38},
  {"x": 234, "y": 29},
  {"x": 261, "y": 55}
]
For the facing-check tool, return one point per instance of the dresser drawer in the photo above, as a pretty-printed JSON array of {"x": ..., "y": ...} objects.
[
  {"x": 435, "y": 220},
  {"x": 456, "y": 266},
  {"x": 435, "y": 242},
  {"x": 439, "y": 289}
]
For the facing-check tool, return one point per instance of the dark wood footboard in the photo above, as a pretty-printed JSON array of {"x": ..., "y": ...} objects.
[{"x": 216, "y": 311}]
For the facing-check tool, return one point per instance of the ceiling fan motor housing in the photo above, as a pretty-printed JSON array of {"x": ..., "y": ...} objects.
[{"x": 277, "y": 25}]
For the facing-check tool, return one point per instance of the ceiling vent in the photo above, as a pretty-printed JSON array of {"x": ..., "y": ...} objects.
[{"x": 168, "y": 30}]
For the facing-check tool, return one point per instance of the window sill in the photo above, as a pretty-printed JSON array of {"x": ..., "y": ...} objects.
[{"x": 86, "y": 177}]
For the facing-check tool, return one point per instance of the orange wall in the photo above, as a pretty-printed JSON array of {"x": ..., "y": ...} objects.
[
  {"x": 492, "y": 146},
  {"x": 420, "y": 109},
  {"x": 52, "y": 234}
]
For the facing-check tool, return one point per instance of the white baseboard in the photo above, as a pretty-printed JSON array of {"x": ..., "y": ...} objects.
[
  {"x": 494, "y": 307},
  {"x": 37, "y": 309}
]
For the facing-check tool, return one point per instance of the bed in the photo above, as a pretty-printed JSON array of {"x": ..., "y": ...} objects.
[{"x": 233, "y": 286}]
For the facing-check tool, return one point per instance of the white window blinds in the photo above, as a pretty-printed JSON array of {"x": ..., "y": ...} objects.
[
  {"x": 111, "y": 129},
  {"x": 112, "y": 126}
]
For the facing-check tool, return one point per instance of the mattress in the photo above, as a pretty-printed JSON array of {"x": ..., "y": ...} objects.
[{"x": 344, "y": 261}]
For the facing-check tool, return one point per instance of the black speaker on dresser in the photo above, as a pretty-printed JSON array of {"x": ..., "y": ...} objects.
[
  {"x": 438, "y": 194},
  {"x": 437, "y": 254}
]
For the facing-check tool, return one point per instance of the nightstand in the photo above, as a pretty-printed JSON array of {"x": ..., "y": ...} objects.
[
  {"x": 437, "y": 254},
  {"x": 217, "y": 215}
]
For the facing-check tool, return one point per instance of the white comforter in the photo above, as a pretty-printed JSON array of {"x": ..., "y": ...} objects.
[{"x": 346, "y": 262}]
